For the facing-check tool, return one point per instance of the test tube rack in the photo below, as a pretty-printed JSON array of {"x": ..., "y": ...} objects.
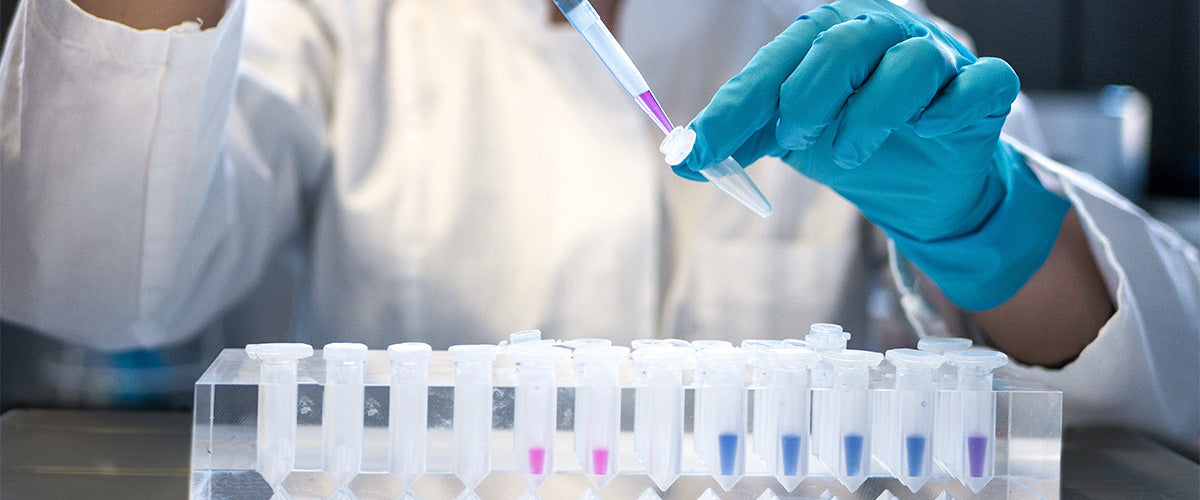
[{"x": 226, "y": 441}]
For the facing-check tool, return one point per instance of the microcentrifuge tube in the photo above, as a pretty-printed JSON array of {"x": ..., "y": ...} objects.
[
  {"x": 659, "y": 396},
  {"x": 472, "y": 412},
  {"x": 342, "y": 412},
  {"x": 721, "y": 382},
  {"x": 978, "y": 415},
  {"x": 824, "y": 338},
  {"x": 535, "y": 412},
  {"x": 598, "y": 411},
  {"x": 276, "y": 440},
  {"x": 408, "y": 410},
  {"x": 909, "y": 452},
  {"x": 762, "y": 425},
  {"x": 789, "y": 410},
  {"x": 700, "y": 403},
  {"x": 851, "y": 417},
  {"x": 945, "y": 380}
]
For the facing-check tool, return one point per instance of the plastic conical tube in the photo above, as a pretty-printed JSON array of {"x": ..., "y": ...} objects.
[
  {"x": 945, "y": 380},
  {"x": 535, "y": 412},
  {"x": 408, "y": 410},
  {"x": 727, "y": 174},
  {"x": 342, "y": 411},
  {"x": 659, "y": 438},
  {"x": 762, "y": 426},
  {"x": 276, "y": 431},
  {"x": 978, "y": 415},
  {"x": 789, "y": 414},
  {"x": 598, "y": 411},
  {"x": 472, "y": 412},
  {"x": 908, "y": 453},
  {"x": 851, "y": 459},
  {"x": 824, "y": 338},
  {"x": 721, "y": 380}
]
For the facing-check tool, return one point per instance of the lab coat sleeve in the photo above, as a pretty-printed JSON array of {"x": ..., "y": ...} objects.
[
  {"x": 147, "y": 175},
  {"x": 1141, "y": 371}
]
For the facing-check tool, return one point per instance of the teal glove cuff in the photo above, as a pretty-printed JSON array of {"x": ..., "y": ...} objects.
[{"x": 983, "y": 268}]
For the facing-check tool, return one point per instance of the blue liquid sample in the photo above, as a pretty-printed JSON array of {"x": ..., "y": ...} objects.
[
  {"x": 915, "y": 445},
  {"x": 853, "y": 444},
  {"x": 727, "y": 445},
  {"x": 790, "y": 448}
]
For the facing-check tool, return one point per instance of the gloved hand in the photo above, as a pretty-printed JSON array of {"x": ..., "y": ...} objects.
[{"x": 903, "y": 121}]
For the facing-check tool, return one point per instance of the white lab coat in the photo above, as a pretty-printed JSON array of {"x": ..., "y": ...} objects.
[{"x": 454, "y": 170}]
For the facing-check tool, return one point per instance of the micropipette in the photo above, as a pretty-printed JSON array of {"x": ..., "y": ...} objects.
[
  {"x": 976, "y": 449},
  {"x": 721, "y": 380},
  {"x": 908, "y": 452},
  {"x": 789, "y": 414},
  {"x": 598, "y": 411},
  {"x": 851, "y": 422},
  {"x": 342, "y": 412},
  {"x": 276, "y": 440},
  {"x": 727, "y": 175},
  {"x": 760, "y": 368},
  {"x": 408, "y": 410},
  {"x": 472, "y": 412},
  {"x": 535, "y": 412}
]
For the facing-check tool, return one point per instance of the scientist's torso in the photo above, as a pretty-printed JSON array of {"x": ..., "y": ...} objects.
[{"x": 488, "y": 175}]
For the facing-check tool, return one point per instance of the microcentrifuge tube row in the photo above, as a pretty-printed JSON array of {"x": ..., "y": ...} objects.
[{"x": 812, "y": 398}]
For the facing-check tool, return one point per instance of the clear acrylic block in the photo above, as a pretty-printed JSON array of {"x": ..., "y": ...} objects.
[{"x": 1025, "y": 454}]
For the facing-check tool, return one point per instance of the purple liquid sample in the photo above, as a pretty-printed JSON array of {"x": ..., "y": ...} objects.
[
  {"x": 537, "y": 460},
  {"x": 600, "y": 461},
  {"x": 790, "y": 448},
  {"x": 915, "y": 446},
  {"x": 977, "y": 447},
  {"x": 650, "y": 105},
  {"x": 727, "y": 445},
  {"x": 853, "y": 444}
]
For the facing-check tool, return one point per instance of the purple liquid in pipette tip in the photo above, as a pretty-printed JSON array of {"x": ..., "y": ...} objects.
[
  {"x": 650, "y": 104},
  {"x": 977, "y": 447}
]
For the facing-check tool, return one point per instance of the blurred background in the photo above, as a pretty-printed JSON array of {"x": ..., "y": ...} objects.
[{"x": 1114, "y": 83}]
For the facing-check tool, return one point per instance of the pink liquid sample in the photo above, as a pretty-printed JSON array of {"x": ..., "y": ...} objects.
[
  {"x": 650, "y": 105},
  {"x": 600, "y": 461},
  {"x": 537, "y": 460}
]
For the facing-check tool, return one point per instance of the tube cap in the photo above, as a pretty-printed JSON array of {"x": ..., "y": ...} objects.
[
  {"x": 348, "y": 352},
  {"x": 912, "y": 359},
  {"x": 473, "y": 352},
  {"x": 852, "y": 357},
  {"x": 409, "y": 352},
  {"x": 285, "y": 351},
  {"x": 943, "y": 345},
  {"x": 795, "y": 358},
  {"x": 977, "y": 360},
  {"x": 823, "y": 337}
]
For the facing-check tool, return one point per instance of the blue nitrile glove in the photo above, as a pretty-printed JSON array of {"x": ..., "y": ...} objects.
[{"x": 903, "y": 121}]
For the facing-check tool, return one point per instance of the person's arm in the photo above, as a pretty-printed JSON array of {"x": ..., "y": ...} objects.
[
  {"x": 159, "y": 14},
  {"x": 149, "y": 175},
  {"x": 1060, "y": 309}
]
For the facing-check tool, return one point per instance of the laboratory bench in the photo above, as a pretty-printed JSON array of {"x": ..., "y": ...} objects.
[{"x": 132, "y": 455}]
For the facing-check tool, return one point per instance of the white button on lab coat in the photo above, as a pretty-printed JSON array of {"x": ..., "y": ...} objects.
[{"x": 454, "y": 170}]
